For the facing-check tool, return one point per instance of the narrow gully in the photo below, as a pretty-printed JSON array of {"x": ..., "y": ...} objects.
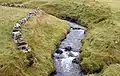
[{"x": 67, "y": 57}]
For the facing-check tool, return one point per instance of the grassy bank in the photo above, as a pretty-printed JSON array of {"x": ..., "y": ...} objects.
[
  {"x": 101, "y": 46},
  {"x": 42, "y": 32},
  {"x": 100, "y": 52}
]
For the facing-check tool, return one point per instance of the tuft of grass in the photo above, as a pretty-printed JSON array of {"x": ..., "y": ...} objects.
[{"x": 112, "y": 70}]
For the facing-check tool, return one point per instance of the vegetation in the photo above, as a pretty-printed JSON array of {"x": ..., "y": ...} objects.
[
  {"x": 100, "y": 53},
  {"x": 13, "y": 1},
  {"x": 112, "y": 70},
  {"x": 42, "y": 33}
]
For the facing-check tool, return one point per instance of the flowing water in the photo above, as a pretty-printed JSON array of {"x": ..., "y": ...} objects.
[{"x": 66, "y": 57}]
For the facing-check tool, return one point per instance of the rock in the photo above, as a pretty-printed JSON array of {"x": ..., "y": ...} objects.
[
  {"x": 59, "y": 51},
  {"x": 73, "y": 54},
  {"x": 22, "y": 21},
  {"x": 31, "y": 59},
  {"x": 68, "y": 48},
  {"x": 76, "y": 60},
  {"x": 58, "y": 56},
  {"x": 26, "y": 49},
  {"x": 31, "y": 14},
  {"x": 21, "y": 43},
  {"x": 11, "y": 5},
  {"x": 16, "y": 35},
  {"x": 22, "y": 46},
  {"x": 19, "y": 40},
  {"x": 76, "y": 28},
  {"x": 21, "y": 5},
  {"x": 16, "y": 30},
  {"x": 38, "y": 9},
  {"x": 17, "y": 26}
]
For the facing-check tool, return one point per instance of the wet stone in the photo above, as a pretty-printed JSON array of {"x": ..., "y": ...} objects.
[
  {"x": 68, "y": 48},
  {"x": 59, "y": 51},
  {"x": 76, "y": 28},
  {"x": 76, "y": 61}
]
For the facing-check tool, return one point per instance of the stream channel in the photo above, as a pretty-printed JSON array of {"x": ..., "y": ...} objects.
[{"x": 67, "y": 57}]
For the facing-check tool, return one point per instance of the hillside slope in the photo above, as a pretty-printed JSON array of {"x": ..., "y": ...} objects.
[
  {"x": 100, "y": 52},
  {"x": 42, "y": 32},
  {"x": 101, "y": 46}
]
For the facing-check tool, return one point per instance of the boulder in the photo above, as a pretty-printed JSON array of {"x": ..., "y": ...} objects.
[
  {"x": 76, "y": 60},
  {"x": 59, "y": 51},
  {"x": 68, "y": 48}
]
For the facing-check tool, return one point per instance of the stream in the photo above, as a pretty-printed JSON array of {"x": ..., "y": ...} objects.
[{"x": 67, "y": 56}]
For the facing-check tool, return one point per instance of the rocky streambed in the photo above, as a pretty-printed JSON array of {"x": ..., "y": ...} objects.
[{"x": 67, "y": 56}]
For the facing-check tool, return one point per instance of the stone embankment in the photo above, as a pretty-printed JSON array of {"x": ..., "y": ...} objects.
[{"x": 18, "y": 38}]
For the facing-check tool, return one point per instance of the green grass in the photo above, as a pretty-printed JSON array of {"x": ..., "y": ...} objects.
[
  {"x": 112, "y": 70},
  {"x": 100, "y": 51},
  {"x": 101, "y": 46},
  {"x": 11, "y": 61},
  {"x": 13, "y": 1},
  {"x": 113, "y": 4},
  {"x": 43, "y": 33}
]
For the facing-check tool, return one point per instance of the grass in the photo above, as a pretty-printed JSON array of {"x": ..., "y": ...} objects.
[
  {"x": 42, "y": 33},
  {"x": 113, "y": 4},
  {"x": 13, "y": 1},
  {"x": 100, "y": 52},
  {"x": 101, "y": 46},
  {"x": 11, "y": 60},
  {"x": 112, "y": 70}
]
